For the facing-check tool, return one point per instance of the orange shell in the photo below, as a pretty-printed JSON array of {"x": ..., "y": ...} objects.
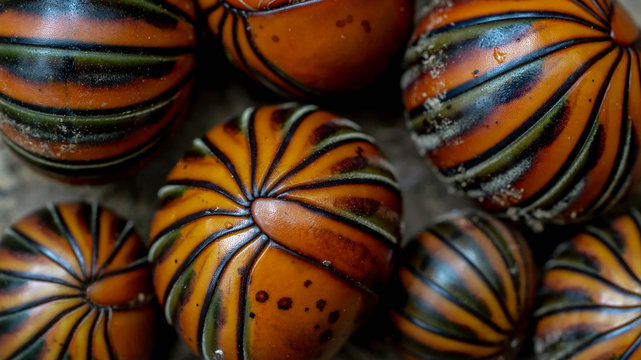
[
  {"x": 465, "y": 290},
  {"x": 275, "y": 235},
  {"x": 74, "y": 284},
  {"x": 311, "y": 47},
  {"x": 89, "y": 88},
  {"x": 590, "y": 299},
  {"x": 530, "y": 107}
]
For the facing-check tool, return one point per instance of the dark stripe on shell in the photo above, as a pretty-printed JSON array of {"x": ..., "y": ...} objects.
[
  {"x": 14, "y": 233},
  {"x": 206, "y": 185},
  {"x": 313, "y": 157},
  {"x": 242, "y": 301},
  {"x": 220, "y": 155},
  {"x": 343, "y": 277},
  {"x": 527, "y": 124},
  {"x": 215, "y": 280},
  {"x": 284, "y": 145}
]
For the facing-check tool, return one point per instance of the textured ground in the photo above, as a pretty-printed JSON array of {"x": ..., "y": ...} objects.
[{"x": 222, "y": 92}]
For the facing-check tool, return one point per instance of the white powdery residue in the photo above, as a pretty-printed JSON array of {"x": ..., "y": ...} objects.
[
  {"x": 518, "y": 214},
  {"x": 499, "y": 190},
  {"x": 66, "y": 149},
  {"x": 219, "y": 354},
  {"x": 434, "y": 63},
  {"x": 504, "y": 180},
  {"x": 427, "y": 142},
  {"x": 507, "y": 195},
  {"x": 442, "y": 128},
  {"x": 561, "y": 205},
  {"x": 427, "y": 6},
  {"x": 435, "y": 104},
  {"x": 551, "y": 338}
]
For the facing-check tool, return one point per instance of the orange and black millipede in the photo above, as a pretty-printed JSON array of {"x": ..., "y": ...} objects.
[
  {"x": 74, "y": 284},
  {"x": 314, "y": 47},
  {"x": 530, "y": 107},
  {"x": 590, "y": 300},
  {"x": 275, "y": 235},
  {"x": 464, "y": 290},
  {"x": 89, "y": 87}
]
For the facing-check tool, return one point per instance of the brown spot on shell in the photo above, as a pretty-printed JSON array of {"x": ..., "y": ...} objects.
[
  {"x": 340, "y": 23},
  {"x": 320, "y": 304},
  {"x": 275, "y": 38},
  {"x": 307, "y": 283},
  {"x": 358, "y": 206},
  {"x": 252, "y": 315},
  {"x": 353, "y": 163},
  {"x": 325, "y": 336},
  {"x": 316, "y": 327},
  {"x": 322, "y": 132},
  {"x": 221, "y": 318},
  {"x": 333, "y": 316},
  {"x": 262, "y": 296},
  {"x": 231, "y": 127},
  {"x": 367, "y": 27},
  {"x": 285, "y": 303}
]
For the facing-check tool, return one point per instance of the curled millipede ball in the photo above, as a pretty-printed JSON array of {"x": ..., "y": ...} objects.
[
  {"x": 89, "y": 89},
  {"x": 529, "y": 107},
  {"x": 590, "y": 299},
  {"x": 275, "y": 235},
  {"x": 464, "y": 290},
  {"x": 74, "y": 284},
  {"x": 310, "y": 47}
]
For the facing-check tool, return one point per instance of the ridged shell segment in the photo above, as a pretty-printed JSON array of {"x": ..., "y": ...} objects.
[
  {"x": 590, "y": 300},
  {"x": 465, "y": 289},
  {"x": 89, "y": 87},
  {"x": 74, "y": 284},
  {"x": 275, "y": 235},
  {"x": 529, "y": 107}
]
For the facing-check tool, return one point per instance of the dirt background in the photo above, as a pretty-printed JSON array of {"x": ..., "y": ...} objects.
[{"x": 222, "y": 92}]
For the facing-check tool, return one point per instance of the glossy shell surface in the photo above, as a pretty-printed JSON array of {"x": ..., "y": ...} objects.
[
  {"x": 465, "y": 290},
  {"x": 87, "y": 88},
  {"x": 74, "y": 284},
  {"x": 275, "y": 235},
  {"x": 530, "y": 107},
  {"x": 315, "y": 47},
  {"x": 591, "y": 293}
]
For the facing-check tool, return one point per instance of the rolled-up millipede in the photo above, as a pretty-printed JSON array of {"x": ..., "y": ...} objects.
[
  {"x": 464, "y": 290},
  {"x": 529, "y": 107},
  {"x": 275, "y": 235},
  {"x": 87, "y": 88},
  {"x": 590, "y": 298},
  {"x": 310, "y": 47},
  {"x": 75, "y": 284}
]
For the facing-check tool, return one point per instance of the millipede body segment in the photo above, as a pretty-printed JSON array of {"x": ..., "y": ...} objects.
[
  {"x": 275, "y": 235},
  {"x": 89, "y": 88},
  {"x": 75, "y": 284},
  {"x": 310, "y": 48},
  {"x": 529, "y": 107}
]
